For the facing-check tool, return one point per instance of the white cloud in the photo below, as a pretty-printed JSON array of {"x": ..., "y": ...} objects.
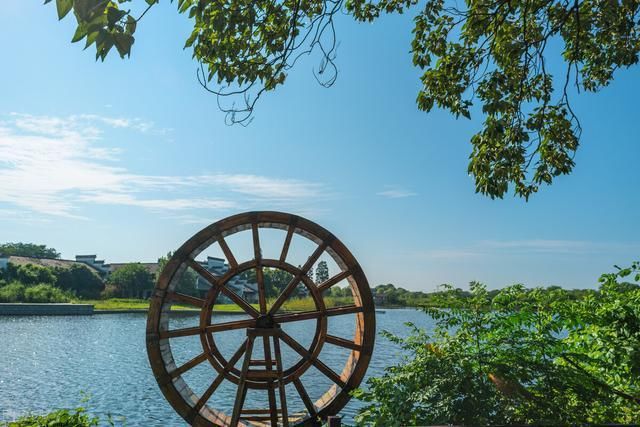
[
  {"x": 54, "y": 166},
  {"x": 395, "y": 192}
]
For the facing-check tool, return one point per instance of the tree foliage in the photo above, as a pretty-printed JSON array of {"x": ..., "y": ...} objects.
[
  {"x": 75, "y": 279},
  {"x": 59, "y": 418},
  {"x": 80, "y": 280},
  {"x": 28, "y": 250},
  {"x": 495, "y": 53},
  {"x": 187, "y": 281},
  {"x": 522, "y": 357},
  {"x": 130, "y": 281},
  {"x": 322, "y": 272}
]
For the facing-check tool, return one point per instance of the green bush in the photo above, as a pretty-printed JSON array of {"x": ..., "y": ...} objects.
[
  {"x": 13, "y": 292},
  {"x": 31, "y": 274},
  {"x": 80, "y": 280},
  {"x": 520, "y": 357},
  {"x": 59, "y": 418},
  {"x": 44, "y": 293}
]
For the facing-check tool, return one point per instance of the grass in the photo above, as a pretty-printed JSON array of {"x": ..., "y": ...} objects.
[{"x": 297, "y": 304}]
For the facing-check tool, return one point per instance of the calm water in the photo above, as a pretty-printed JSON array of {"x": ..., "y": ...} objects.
[{"x": 51, "y": 362}]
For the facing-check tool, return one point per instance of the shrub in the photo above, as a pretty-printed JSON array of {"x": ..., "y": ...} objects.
[
  {"x": 44, "y": 293},
  {"x": 59, "y": 418},
  {"x": 13, "y": 292},
  {"x": 522, "y": 357},
  {"x": 31, "y": 274},
  {"x": 80, "y": 280}
]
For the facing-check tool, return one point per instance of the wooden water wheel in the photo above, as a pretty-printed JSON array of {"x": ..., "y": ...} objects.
[{"x": 261, "y": 324}]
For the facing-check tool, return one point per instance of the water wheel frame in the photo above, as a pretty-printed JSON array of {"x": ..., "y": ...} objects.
[{"x": 263, "y": 324}]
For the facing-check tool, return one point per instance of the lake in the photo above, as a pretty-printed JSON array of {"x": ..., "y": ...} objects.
[{"x": 52, "y": 362}]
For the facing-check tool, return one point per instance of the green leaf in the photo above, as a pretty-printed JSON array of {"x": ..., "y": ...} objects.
[
  {"x": 63, "y": 6},
  {"x": 80, "y": 33},
  {"x": 131, "y": 25},
  {"x": 114, "y": 15},
  {"x": 123, "y": 43}
]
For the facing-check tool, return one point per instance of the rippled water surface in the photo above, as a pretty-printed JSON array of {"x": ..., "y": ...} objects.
[{"x": 50, "y": 362}]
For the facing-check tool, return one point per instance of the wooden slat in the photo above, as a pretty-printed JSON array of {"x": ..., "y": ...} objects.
[
  {"x": 261, "y": 363},
  {"x": 287, "y": 242},
  {"x": 281, "y": 388},
  {"x": 214, "y": 280},
  {"x": 261, "y": 374},
  {"x": 257, "y": 411},
  {"x": 334, "y": 280},
  {"x": 295, "y": 345},
  {"x": 218, "y": 380},
  {"x": 227, "y": 253},
  {"x": 241, "y": 393},
  {"x": 306, "y": 315},
  {"x": 305, "y": 397},
  {"x": 229, "y": 326},
  {"x": 342, "y": 342},
  {"x": 294, "y": 282},
  {"x": 188, "y": 365},
  {"x": 181, "y": 332},
  {"x": 187, "y": 299}
]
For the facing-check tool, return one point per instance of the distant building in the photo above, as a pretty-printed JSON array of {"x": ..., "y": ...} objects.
[
  {"x": 239, "y": 285},
  {"x": 43, "y": 262}
]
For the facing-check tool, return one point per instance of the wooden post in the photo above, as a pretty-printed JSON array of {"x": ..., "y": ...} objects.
[{"x": 333, "y": 421}]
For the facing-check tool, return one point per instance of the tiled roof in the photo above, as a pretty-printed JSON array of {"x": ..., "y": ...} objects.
[{"x": 47, "y": 262}]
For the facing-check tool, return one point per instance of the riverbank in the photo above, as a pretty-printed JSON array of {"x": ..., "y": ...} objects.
[{"x": 34, "y": 309}]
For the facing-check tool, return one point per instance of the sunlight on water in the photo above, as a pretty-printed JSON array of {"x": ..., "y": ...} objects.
[{"x": 49, "y": 362}]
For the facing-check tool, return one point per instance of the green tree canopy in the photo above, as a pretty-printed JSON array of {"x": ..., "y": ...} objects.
[
  {"x": 28, "y": 249},
  {"x": 490, "y": 53},
  {"x": 130, "y": 281},
  {"x": 79, "y": 279}
]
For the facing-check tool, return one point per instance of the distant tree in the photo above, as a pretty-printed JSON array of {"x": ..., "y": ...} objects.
[
  {"x": 186, "y": 282},
  {"x": 79, "y": 279},
  {"x": 29, "y": 250},
  {"x": 275, "y": 280},
  {"x": 322, "y": 272},
  {"x": 130, "y": 281}
]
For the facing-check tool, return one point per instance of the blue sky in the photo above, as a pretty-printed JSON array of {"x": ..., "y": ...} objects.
[{"x": 129, "y": 158}]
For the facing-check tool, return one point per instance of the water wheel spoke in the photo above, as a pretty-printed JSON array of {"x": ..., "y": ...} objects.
[
  {"x": 287, "y": 242},
  {"x": 181, "y": 332},
  {"x": 186, "y": 299},
  {"x": 220, "y": 377},
  {"x": 334, "y": 280},
  {"x": 257, "y": 253},
  {"x": 288, "y": 290},
  {"x": 306, "y": 315},
  {"x": 229, "y": 326},
  {"x": 342, "y": 342},
  {"x": 227, "y": 252},
  {"x": 327, "y": 371},
  {"x": 241, "y": 392},
  {"x": 189, "y": 365},
  {"x": 305, "y": 397},
  {"x": 281, "y": 387},
  {"x": 215, "y": 282}
]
